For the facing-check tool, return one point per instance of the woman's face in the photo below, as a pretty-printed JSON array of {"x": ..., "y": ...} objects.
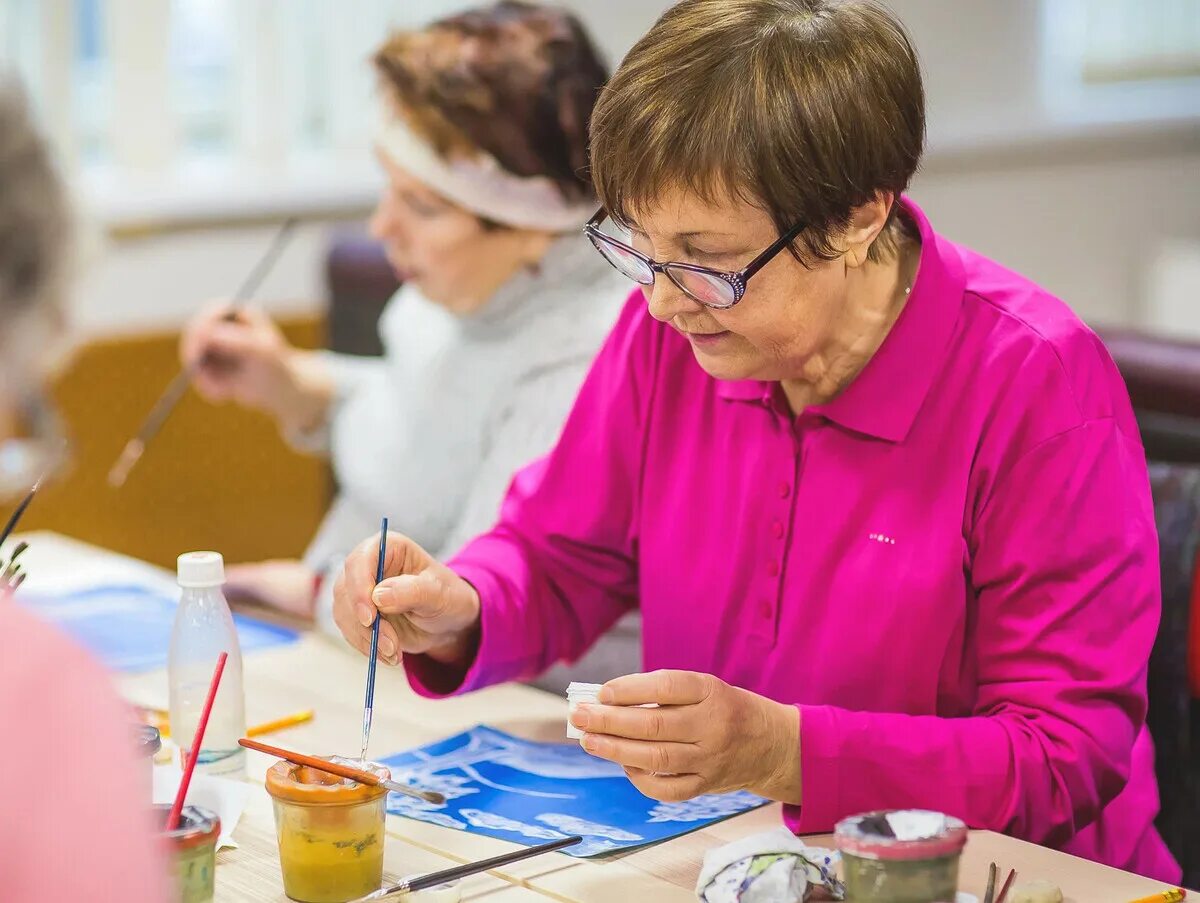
[
  {"x": 443, "y": 249},
  {"x": 789, "y": 315}
]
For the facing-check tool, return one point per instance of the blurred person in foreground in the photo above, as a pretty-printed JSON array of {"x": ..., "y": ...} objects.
[{"x": 77, "y": 822}]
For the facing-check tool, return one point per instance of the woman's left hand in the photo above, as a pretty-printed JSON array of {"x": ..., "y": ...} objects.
[
  {"x": 283, "y": 584},
  {"x": 704, "y": 737}
]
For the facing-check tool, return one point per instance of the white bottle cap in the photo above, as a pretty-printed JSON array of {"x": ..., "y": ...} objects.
[{"x": 198, "y": 570}]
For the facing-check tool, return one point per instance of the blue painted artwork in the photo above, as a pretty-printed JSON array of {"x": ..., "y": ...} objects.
[
  {"x": 529, "y": 793},
  {"x": 128, "y": 627}
]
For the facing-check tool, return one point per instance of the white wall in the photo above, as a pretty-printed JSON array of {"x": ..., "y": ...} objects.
[
  {"x": 1087, "y": 211},
  {"x": 155, "y": 283}
]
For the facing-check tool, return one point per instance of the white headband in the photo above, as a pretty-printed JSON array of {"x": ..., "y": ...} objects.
[{"x": 480, "y": 184}]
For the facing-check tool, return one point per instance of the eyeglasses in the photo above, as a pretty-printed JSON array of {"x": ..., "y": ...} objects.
[
  {"x": 39, "y": 449},
  {"x": 717, "y": 289}
]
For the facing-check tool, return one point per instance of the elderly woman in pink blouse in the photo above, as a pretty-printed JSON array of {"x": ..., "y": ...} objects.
[{"x": 881, "y": 502}]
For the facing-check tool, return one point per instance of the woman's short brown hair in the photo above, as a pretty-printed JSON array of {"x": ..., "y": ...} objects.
[
  {"x": 807, "y": 108},
  {"x": 514, "y": 80}
]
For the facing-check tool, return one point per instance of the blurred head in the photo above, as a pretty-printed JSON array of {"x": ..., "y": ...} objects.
[
  {"x": 733, "y": 121},
  {"x": 34, "y": 237},
  {"x": 484, "y": 146}
]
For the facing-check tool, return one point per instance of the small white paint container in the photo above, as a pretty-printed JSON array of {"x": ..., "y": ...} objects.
[
  {"x": 443, "y": 893},
  {"x": 577, "y": 693}
]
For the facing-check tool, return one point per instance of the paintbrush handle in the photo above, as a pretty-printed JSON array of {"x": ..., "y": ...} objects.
[
  {"x": 433, "y": 879},
  {"x": 342, "y": 771},
  {"x": 197, "y": 743},
  {"x": 136, "y": 447},
  {"x": 372, "y": 660},
  {"x": 166, "y": 403}
]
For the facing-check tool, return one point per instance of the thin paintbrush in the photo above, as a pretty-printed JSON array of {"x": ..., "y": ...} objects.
[
  {"x": 136, "y": 447},
  {"x": 16, "y": 515},
  {"x": 433, "y": 879},
  {"x": 369, "y": 702},
  {"x": 1003, "y": 895},
  {"x": 989, "y": 895},
  {"x": 344, "y": 771}
]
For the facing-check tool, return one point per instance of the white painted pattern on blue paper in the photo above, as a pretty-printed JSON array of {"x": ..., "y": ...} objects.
[{"x": 530, "y": 792}]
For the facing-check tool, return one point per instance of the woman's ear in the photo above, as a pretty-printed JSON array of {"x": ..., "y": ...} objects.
[{"x": 866, "y": 222}]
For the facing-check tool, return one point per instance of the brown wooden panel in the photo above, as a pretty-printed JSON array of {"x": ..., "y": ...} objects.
[{"x": 215, "y": 478}]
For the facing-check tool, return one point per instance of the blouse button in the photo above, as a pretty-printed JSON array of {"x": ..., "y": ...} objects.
[
  {"x": 777, "y": 529},
  {"x": 785, "y": 490},
  {"x": 773, "y": 569},
  {"x": 765, "y": 610}
]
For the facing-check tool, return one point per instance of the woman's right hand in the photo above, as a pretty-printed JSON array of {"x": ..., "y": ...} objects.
[
  {"x": 242, "y": 359},
  {"x": 427, "y": 609},
  {"x": 246, "y": 359}
]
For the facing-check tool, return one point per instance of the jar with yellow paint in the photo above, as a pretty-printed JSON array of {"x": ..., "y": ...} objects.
[{"x": 330, "y": 831}]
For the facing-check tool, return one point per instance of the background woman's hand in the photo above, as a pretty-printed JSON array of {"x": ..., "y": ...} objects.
[
  {"x": 247, "y": 360},
  {"x": 284, "y": 584},
  {"x": 705, "y": 736},
  {"x": 427, "y": 608}
]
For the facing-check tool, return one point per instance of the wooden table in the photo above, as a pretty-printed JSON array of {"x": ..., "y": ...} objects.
[{"x": 320, "y": 674}]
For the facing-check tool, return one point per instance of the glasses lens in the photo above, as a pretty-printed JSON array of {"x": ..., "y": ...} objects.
[
  {"x": 629, "y": 264},
  {"x": 707, "y": 288},
  {"x": 37, "y": 449}
]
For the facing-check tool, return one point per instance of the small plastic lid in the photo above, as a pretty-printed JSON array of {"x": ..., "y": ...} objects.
[
  {"x": 148, "y": 739},
  {"x": 197, "y": 826},
  {"x": 579, "y": 690},
  {"x": 197, "y": 570},
  {"x": 901, "y": 834}
]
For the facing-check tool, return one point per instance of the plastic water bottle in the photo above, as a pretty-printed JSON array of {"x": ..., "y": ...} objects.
[{"x": 203, "y": 630}]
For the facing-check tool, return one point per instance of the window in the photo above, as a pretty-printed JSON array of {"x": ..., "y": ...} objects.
[
  {"x": 201, "y": 60},
  {"x": 162, "y": 103},
  {"x": 1122, "y": 60}
]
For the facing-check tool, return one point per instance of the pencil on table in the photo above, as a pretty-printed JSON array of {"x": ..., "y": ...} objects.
[{"x": 268, "y": 727}]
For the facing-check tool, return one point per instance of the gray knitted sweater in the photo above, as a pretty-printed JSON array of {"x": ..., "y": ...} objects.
[{"x": 431, "y": 433}]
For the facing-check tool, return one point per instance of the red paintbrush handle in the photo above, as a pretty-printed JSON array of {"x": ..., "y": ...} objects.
[{"x": 181, "y": 794}]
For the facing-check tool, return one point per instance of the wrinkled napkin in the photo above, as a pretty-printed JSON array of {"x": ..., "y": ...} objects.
[
  {"x": 772, "y": 867},
  {"x": 224, "y": 796}
]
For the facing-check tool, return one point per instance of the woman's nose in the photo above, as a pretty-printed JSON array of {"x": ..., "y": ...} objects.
[
  {"x": 385, "y": 224},
  {"x": 665, "y": 300}
]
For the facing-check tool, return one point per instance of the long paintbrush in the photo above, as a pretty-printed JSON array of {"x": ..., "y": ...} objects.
[
  {"x": 344, "y": 771},
  {"x": 136, "y": 447},
  {"x": 434, "y": 879}
]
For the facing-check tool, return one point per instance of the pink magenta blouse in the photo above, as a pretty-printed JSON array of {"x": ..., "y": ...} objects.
[{"x": 951, "y": 569}]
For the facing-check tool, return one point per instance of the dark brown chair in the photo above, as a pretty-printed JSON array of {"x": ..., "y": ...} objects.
[
  {"x": 1174, "y": 714},
  {"x": 359, "y": 281}
]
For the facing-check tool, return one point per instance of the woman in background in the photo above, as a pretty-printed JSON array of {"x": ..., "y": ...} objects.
[
  {"x": 85, "y": 833},
  {"x": 484, "y": 146}
]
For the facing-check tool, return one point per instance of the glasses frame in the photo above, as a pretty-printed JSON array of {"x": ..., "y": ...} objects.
[{"x": 738, "y": 279}]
